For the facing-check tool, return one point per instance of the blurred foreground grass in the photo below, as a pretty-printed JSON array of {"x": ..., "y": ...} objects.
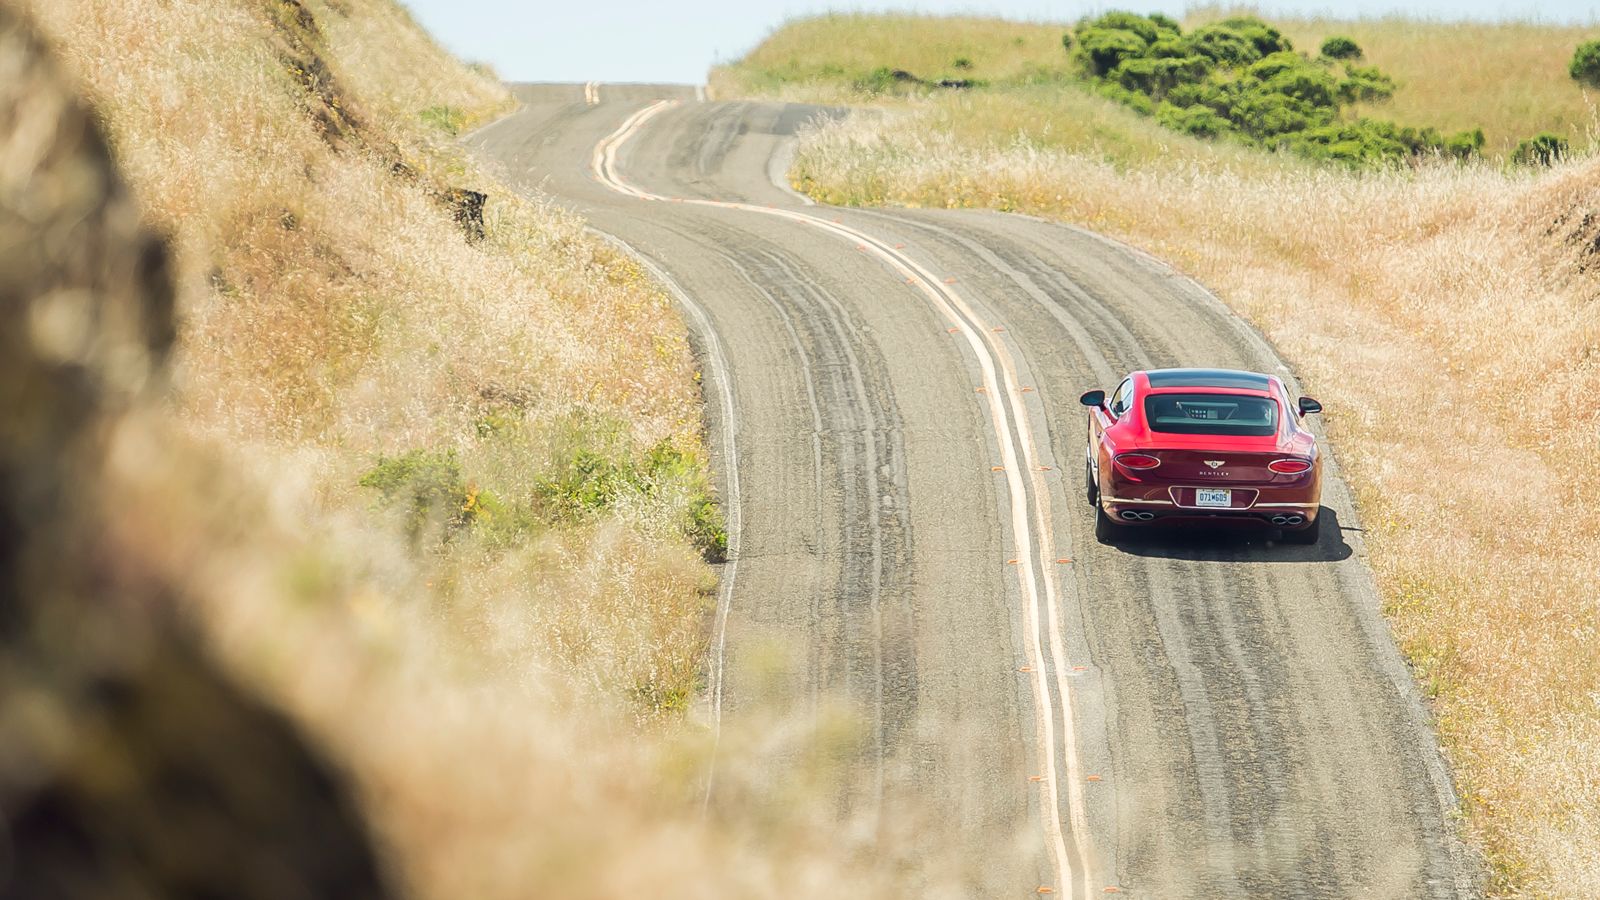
[{"x": 422, "y": 477}]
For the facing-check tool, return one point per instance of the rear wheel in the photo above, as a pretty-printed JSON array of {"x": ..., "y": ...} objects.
[
  {"x": 1305, "y": 535},
  {"x": 1106, "y": 530}
]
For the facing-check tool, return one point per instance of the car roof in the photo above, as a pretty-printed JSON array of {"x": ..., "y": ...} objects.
[{"x": 1208, "y": 378}]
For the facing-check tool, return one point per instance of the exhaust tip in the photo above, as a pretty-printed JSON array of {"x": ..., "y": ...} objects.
[
  {"x": 1129, "y": 514},
  {"x": 1280, "y": 520},
  {"x": 1146, "y": 516},
  {"x": 1296, "y": 520}
]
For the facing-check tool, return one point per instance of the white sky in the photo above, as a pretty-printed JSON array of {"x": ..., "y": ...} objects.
[{"x": 678, "y": 40}]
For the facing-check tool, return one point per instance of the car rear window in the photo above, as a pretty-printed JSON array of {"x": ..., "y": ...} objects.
[{"x": 1231, "y": 414}]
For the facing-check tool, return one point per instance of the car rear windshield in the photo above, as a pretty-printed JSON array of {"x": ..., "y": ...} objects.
[{"x": 1231, "y": 414}]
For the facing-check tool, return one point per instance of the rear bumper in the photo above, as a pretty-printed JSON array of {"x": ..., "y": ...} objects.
[{"x": 1268, "y": 509}]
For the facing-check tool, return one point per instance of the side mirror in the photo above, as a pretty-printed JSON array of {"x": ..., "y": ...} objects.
[
  {"x": 1309, "y": 406},
  {"x": 1093, "y": 399}
]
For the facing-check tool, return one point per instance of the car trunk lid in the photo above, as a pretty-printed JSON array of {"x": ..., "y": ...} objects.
[{"x": 1201, "y": 466}]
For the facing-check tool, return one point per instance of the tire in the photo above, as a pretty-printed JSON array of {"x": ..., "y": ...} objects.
[
  {"x": 1308, "y": 536},
  {"x": 1107, "y": 531},
  {"x": 1091, "y": 490}
]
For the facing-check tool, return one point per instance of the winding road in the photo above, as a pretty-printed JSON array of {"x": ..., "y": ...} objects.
[{"x": 892, "y": 397}]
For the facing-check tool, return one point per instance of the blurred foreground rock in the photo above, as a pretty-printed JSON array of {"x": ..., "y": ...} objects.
[{"x": 130, "y": 766}]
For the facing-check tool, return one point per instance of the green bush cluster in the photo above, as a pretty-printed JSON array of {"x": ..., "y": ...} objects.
[
  {"x": 429, "y": 487},
  {"x": 1373, "y": 142},
  {"x": 1339, "y": 47},
  {"x": 1585, "y": 65},
  {"x": 430, "y": 492},
  {"x": 1242, "y": 77},
  {"x": 1543, "y": 149},
  {"x": 448, "y": 119},
  {"x": 591, "y": 483}
]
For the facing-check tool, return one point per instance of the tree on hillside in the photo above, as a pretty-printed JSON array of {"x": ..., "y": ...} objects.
[
  {"x": 1585, "y": 65},
  {"x": 1339, "y": 47},
  {"x": 1241, "y": 78}
]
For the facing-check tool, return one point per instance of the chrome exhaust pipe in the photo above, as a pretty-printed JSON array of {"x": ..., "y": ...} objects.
[
  {"x": 1296, "y": 520},
  {"x": 1130, "y": 515},
  {"x": 1146, "y": 516},
  {"x": 1280, "y": 520}
]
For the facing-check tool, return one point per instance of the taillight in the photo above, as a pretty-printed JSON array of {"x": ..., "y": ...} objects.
[
  {"x": 1289, "y": 466},
  {"x": 1137, "y": 461}
]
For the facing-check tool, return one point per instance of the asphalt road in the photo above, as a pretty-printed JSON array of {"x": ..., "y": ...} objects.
[{"x": 893, "y": 401}]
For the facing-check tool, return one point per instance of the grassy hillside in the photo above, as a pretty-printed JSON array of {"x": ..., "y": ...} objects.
[
  {"x": 1509, "y": 79},
  {"x": 433, "y": 487},
  {"x": 340, "y": 327},
  {"x": 1443, "y": 315},
  {"x": 835, "y": 50},
  {"x": 1026, "y": 98}
]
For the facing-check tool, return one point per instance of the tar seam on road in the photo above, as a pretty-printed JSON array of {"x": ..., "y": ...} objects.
[{"x": 989, "y": 352}]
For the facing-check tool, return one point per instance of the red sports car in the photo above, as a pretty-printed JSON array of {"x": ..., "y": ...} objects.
[{"x": 1202, "y": 446}]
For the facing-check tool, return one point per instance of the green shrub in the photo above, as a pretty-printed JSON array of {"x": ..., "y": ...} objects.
[
  {"x": 1134, "y": 100},
  {"x": 445, "y": 118},
  {"x": 590, "y": 484},
  {"x": 1265, "y": 115},
  {"x": 1222, "y": 44},
  {"x": 1585, "y": 65},
  {"x": 1103, "y": 49},
  {"x": 705, "y": 528},
  {"x": 1338, "y": 47},
  {"x": 1365, "y": 142},
  {"x": 1243, "y": 76},
  {"x": 1165, "y": 23},
  {"x": 1148, "y": 29},
  {"x": 1377, "y": 142},
  {"x": 1199, "y": 121},
  {"x": 1169, "y": 48},
  {"x": 1464, "y": 145},
  {"x": 666, "y": 465},
  {"x": 1544, "y": 149},
  {"x": 1267, "y": 40},
  {"x": 1157, "y": 76},
  {"x": 429, "y": 488},
  {"x": 1295, "y": 76},
  {"x": 1203, "y": 93},
  {"x": 962, "y": 63},
  {"x": 1365, "y": 85}
]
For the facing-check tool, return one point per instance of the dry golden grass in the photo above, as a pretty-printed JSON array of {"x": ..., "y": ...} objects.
[
  {"x": 332, "y": 310},
  {"x": 1446, "y": 317},
  {"x": 510, "y": 701},
  {"x": 1048, "y": 118},
  {"x": 824, "y": 52}
]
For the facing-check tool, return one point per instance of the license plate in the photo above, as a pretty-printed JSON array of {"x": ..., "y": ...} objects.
[{"x": 1212, "y": 497}]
